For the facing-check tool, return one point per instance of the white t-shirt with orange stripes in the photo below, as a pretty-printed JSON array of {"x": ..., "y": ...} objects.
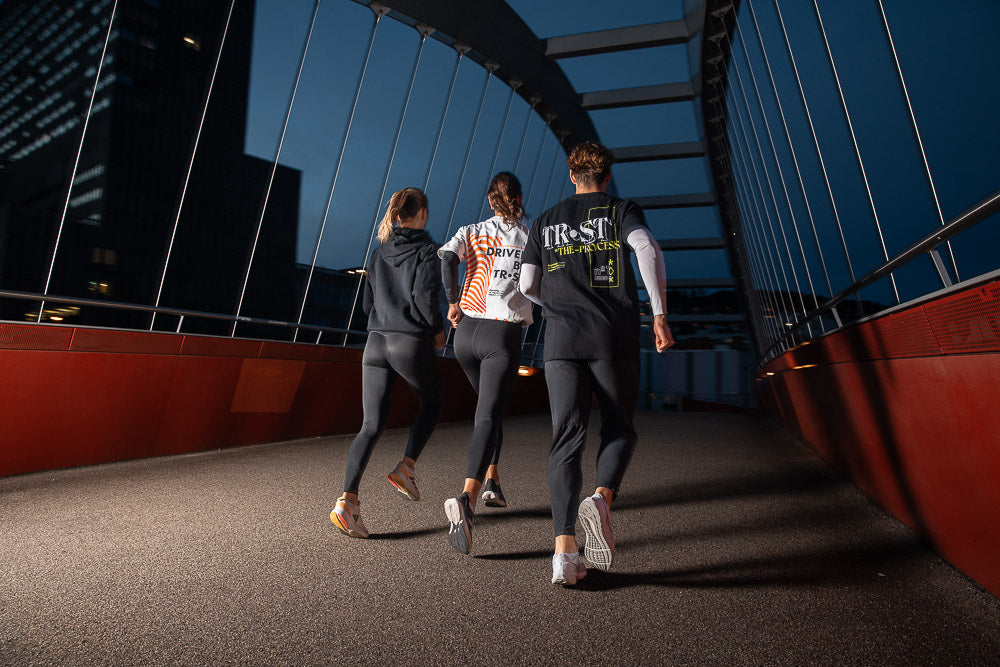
[{"x": 491, "y": 250}]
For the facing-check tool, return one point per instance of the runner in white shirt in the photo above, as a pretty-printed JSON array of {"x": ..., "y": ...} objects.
[{"x": 488, "y": 317}]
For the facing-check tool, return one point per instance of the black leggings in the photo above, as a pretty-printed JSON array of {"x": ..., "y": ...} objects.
[
  {"x": 489, "y": 352},
  {"x": 386, "y": 356},
  {"x": 571, "y": 384}
]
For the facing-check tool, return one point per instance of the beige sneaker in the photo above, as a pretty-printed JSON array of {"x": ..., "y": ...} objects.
[
  {"x": 405, "y": 481},
  {"x": 347, "y": 517}
]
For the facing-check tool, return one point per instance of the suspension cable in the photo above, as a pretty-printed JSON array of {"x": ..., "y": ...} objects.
[
  {"x": 274, "y": 166},
  {"x": 76, "y": 161},
  {"x": 194, "y": 152},
  {"x": 336, "y": 173}
]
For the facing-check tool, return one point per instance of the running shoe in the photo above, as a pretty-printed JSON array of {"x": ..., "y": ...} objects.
[
  {"x": 595, "y": 517},
  {"x": 347, "y": 517},
  {"x": 460, "y": 515},
  {"x": 405, "y": 481},
  {"x": 493, "y": 495},
  {"x": 567, "y": 569}
]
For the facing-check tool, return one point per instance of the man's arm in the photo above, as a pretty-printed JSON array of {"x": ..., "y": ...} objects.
[
  {"x": 530, "y": 283},
  {"x": 654, "y": 276}
]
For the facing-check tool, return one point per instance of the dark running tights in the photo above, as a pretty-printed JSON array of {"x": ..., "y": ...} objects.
[
  {"x": 571, "y": 384},
  {"x": 386, "y": 356},
  {"x": 489, "y": 352}
]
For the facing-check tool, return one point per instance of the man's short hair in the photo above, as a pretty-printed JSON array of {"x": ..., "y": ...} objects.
[{"x": 591, "y": 163}]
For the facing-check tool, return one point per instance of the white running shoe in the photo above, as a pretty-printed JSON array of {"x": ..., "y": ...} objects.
[
  {"x": 460, "y": 516},
  {"x": 567, "y": 569},
  {"x": 347, "y": 517},
  {"x": 493, "y": 494},
  {"x": 595, "y": 517},
  {"x": 405, "y": 481}
]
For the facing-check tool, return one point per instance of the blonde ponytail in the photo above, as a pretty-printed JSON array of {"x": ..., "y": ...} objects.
[{"x": 403, "y": 205}]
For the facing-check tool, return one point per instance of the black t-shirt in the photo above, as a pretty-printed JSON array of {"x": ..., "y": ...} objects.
[{"x": 588, "y": 289}]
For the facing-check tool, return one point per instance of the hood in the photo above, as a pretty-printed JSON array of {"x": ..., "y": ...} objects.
[{"x": 404, "y": 243}]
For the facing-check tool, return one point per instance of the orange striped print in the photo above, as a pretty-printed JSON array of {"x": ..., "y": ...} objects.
[{"x": 479, "y": 268}]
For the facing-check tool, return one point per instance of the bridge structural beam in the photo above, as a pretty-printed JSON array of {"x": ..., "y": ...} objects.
[
  {"x": 619, "y": 39},
  {"x": 705, "y": 243},
  {"x": 681, "y": 91},
  {"x": 660, "y": 151},
  {"x": 700, "y": 283},
  {"x": 676, "y": 201}
]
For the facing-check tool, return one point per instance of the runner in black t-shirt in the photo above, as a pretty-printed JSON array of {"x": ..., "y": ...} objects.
[{"x": 576, "y": 266}]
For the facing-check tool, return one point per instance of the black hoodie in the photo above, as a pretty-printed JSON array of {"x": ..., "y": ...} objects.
[{"x": 402, "y": 292}]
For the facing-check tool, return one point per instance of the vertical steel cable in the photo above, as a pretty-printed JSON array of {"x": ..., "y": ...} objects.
[
  {"x": 524, "y": 135},
  {"x": 819, "y": 156},
  {"x": 916, "y": 133},
  {"x": 462, "y": 50},
  {"x": 552, "y": 173},
  {"x": 385, "y": 181},
  {"x": 748, "y": 163},
  {"x": 767, "y": 176},
  {"x": 534, "y": 171},
  {"x": 76, "y": 161},
  {"x": 336, "y": 173},
  {"x": 791, "y": 147},
  {"x": 274, "y": 167},
  {"x": 496, "y": 150},
  {"x": 468, "y": 150},
  {"x": 756, "y": 251},
  {"x": 763, "y": 250},
  {"x": 194, "y": 152},
  {"x": 854, "y": 142},
  {"x": 798, "y": 170}
]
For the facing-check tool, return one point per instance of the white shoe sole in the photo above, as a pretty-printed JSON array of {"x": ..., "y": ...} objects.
[
  {"x": 597, "y": 551},
  {"x": 459, "y": 532}
]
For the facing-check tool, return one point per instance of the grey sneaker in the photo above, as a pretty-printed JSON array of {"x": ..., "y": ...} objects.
[
  {"x": 493, "y": 495},
  {"x": 595, "y": 517},
  {"x": 405, "y": 481},
  {"x": 567, "y": 569},
  {"x": 460, "y": 515}
]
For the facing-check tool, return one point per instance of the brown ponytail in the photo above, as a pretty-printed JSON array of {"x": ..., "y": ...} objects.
[
  {"x": 503, "y": 196},
  {"x": 404, "y": 205}
]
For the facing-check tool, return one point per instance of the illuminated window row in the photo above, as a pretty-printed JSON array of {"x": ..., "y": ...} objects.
[{"x": 51, "y": 47}]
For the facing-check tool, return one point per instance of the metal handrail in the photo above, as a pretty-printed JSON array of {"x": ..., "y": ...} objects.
[
  {"x": 928, "y": 244},
  {"x": 180, "y": 312}
]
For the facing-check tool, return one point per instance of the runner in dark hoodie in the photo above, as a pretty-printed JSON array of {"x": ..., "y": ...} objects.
[{"x": 405, "y": 328}]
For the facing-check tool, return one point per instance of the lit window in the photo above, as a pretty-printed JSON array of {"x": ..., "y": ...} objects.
[{"x": 192, "y": 42}]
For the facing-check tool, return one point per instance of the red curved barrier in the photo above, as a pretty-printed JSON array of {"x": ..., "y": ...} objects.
[
  {"x": 906, "y": 406},
  {"x": 74, "y": 396}
]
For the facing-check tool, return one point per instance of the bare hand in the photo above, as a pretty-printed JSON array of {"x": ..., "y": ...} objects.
[
  {"x": 454, "y": 314},
  {"x": 439, "y": 340},
  {"x": 664, "y": 339}
]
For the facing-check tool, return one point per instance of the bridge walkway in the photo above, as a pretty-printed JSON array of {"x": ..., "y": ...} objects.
[{"x": 736, "y": 545}]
